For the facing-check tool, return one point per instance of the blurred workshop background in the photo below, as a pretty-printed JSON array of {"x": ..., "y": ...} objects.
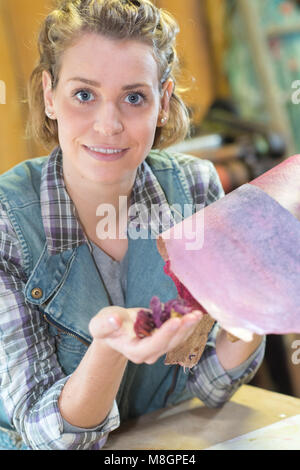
[{"x": 241, "y": 66}]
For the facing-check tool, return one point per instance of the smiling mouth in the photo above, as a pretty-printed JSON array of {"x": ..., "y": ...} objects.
[
  {"x": 105, "y": 154},
  {"x": 106, "y": 151}
]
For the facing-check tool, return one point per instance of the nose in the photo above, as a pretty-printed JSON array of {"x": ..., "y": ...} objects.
[{"x": 108, "y": 120}]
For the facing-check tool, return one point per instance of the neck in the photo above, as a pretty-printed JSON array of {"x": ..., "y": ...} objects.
[{"x": 93, "y": 200}]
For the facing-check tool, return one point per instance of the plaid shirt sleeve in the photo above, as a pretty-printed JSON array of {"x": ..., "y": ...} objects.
[
  {"x": 211, "y": 383},
  {"x": 208, "y": 380},
  {"x": 31, "y": 377},
  {"x": 203, "y": 180}
]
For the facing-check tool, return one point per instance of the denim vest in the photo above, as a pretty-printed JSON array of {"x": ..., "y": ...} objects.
[{"x": 73, "y": 291}]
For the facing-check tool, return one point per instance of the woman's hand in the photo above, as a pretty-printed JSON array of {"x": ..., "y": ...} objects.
[{"x": 114, "y": 326}]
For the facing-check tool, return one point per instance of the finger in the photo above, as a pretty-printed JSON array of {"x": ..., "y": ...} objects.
[
  {"x": 173, "y": 332},
  {"x": 155, "y": 344},
  {"x": 107, "y": 321},
  {"x": 195, "y": 315},
  {"x": 186, "y": 329},
  {"x": 183, "y": 332},
  {"x": 149, "y": 349}
]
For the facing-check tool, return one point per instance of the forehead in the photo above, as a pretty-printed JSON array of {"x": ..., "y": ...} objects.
[{"x": 98, "y": 57}]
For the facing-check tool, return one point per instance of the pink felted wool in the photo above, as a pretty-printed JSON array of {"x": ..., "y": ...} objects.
[{"x": 246, "y": 272}]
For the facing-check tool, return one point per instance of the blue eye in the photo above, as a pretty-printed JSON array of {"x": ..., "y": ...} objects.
[
  {"x": 84, "y": 96},
  {"x": 135, "y": 98}
]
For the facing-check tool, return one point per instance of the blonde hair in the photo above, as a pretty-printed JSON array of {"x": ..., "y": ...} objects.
[{"x": 117, "y": 19}]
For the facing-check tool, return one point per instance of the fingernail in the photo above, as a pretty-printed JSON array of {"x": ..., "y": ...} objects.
[
  {"x": 198, "y": 314},
  {"x": 113, "y": 323}
]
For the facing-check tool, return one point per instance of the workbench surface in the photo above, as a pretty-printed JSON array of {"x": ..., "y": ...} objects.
[{"x": 191, "y": 425}]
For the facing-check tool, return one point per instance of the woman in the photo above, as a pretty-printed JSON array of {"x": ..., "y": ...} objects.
[{"x": 103, "y": 95}]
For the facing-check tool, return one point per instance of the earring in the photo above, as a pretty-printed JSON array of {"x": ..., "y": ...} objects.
[
  {"x": 49, "y": 114},
  {"x": 163, "y": 120}
]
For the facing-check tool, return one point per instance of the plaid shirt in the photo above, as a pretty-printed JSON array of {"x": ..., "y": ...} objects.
[{"x": 31, "y": 377}]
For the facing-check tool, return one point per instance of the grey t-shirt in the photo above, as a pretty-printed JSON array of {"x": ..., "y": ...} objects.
[
  {"x": 113, "y": 274},
  {"x": 114, "y": 277}
]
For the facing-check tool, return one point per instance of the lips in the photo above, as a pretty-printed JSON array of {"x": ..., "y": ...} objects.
[
  {"x": 105, "y": 150},
  {"x": 105, "y": 153}
]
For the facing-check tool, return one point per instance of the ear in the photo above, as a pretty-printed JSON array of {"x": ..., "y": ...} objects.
[
  {"x": 48, "y": 92},
  {"x": 167, "y": 91}
]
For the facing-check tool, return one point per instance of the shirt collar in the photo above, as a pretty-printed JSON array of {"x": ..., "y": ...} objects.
[{"x": 62, "y": 227}]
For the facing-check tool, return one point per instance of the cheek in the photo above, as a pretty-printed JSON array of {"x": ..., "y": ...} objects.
[
  {"x": 143, "y": 136},
  {"x": 144, "y": 129},
  {"x": 71, "y": 122}
]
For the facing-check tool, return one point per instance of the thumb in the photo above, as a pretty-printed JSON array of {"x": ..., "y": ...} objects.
[{"x": 107, "y": 321}]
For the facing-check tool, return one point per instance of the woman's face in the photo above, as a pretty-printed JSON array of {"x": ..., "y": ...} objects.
[{"x": 107, "y": 104}]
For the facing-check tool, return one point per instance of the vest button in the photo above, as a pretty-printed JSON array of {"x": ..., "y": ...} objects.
[{"x": 36, "y": 293}]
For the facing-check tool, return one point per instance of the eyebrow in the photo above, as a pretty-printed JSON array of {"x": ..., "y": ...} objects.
[{"x": 97, "y": 84}]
